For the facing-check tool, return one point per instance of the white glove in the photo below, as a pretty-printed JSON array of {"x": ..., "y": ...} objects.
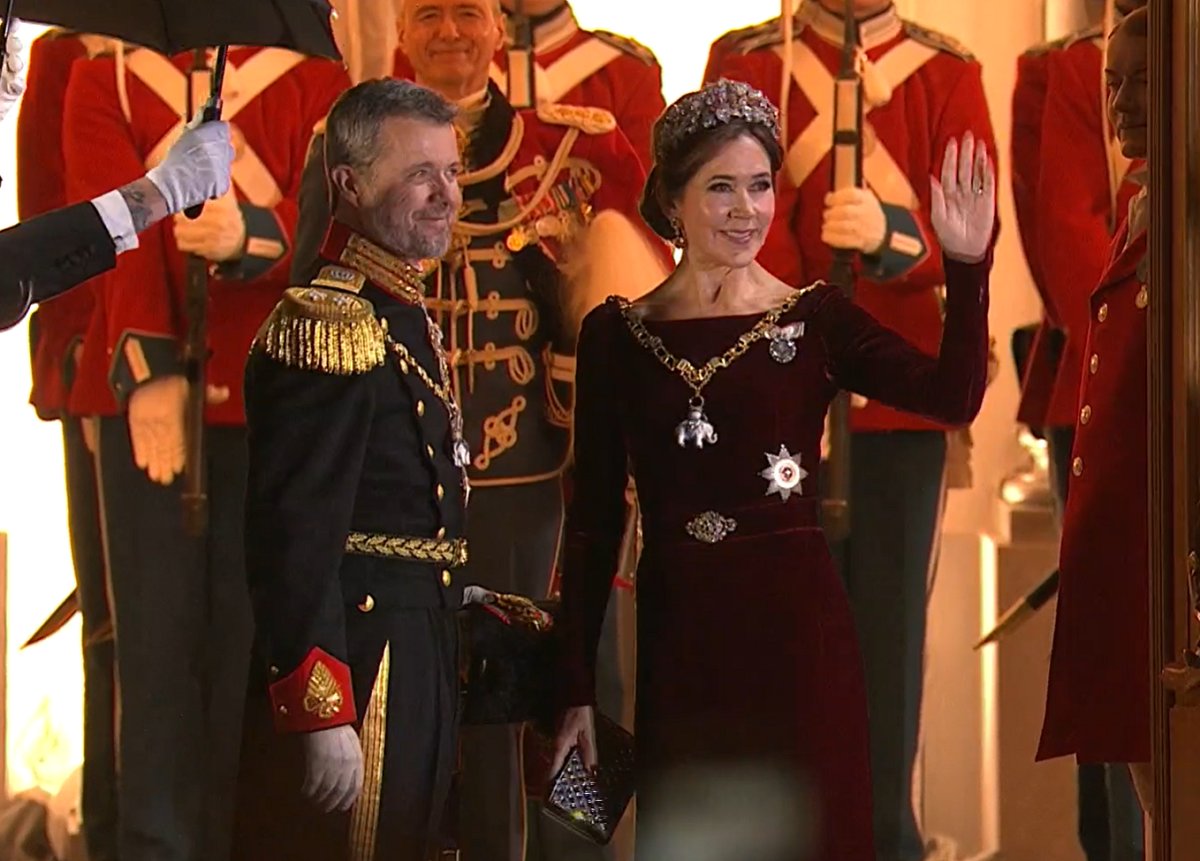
[
  {"x": 156, "y": 425},
  {"x": 333, "y": 768},
  {"x": 853, "y": 219},
  {"x": 219, "y": 234},
  {"x": 478, "y": 595},
  {"x": 963, "y": 204},
  {"x": 196, "y": 167},
  {"x": 12, "y": 76}
]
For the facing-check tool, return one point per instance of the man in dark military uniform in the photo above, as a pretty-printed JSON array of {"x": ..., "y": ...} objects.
[
  {"x": 355, "y": 510},
  {"x": 538, "y": 185}
]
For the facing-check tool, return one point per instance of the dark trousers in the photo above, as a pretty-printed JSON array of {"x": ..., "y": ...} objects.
[
  {"x": 896, "y": 498},
  {"x": 1110, "y": 817},
  {"x": 99, "y": 684},
  {"x": 417, "y": 749},
  {"x": 183, "y": 636},
  {"x": 514, "y": 534}
]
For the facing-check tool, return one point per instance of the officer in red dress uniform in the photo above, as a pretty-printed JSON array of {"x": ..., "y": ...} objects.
[
  {"x": 1099, "y": 687},
  {"x": 1071, "y": 185},
  {"x": 56, "y": 331},
  {"x": 593, "y": 68},
  {"x": 180, "y": 605},
  {"x": 920, "y": 90}
]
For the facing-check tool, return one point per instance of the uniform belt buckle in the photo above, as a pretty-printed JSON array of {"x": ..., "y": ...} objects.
[{"x": 710, "y": 527}]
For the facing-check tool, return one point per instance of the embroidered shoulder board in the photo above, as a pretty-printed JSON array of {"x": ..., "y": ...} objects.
[
  {"x": 747, "y": 39},
  {"x": 591, "y": 121},
  {"x": 629, "y": 46},
  {"x": 1065, "y": 41},
  {"x": 340, "y": 278},
  {"x": 934, "y": 39},
  {"x": 329, "y": 331}
]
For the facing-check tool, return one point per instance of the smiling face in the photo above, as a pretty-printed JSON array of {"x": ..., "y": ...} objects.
[
  {"x": 406, "y": 200},
  {"x": 1125, "y": 77},
  {"x": 450, "y": 43},
  {"x": 727, "y": 206}
]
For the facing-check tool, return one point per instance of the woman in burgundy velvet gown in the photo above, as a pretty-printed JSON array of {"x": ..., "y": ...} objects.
[{"x": 746, "y": 645}]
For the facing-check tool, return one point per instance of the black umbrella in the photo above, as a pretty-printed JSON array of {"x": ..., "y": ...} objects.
[{"x": 172, "y": 26}]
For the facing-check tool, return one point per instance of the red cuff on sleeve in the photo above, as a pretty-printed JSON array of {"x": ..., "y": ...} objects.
[{"x": 316, "y": 695}]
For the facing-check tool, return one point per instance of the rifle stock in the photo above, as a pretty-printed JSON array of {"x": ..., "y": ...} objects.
[{"x": 847, "y": 173}]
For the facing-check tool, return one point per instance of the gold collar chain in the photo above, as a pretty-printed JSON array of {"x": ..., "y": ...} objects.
[{"x": 698, "y": 378}]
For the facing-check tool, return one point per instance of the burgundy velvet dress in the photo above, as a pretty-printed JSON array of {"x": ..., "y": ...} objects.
[{"x": 746, "y": 645}]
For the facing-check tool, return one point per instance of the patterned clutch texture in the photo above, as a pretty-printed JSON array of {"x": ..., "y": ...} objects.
[{"x": 591, "y": 803}]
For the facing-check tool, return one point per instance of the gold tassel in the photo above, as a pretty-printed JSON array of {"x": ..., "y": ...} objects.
[{"x": 323, "y": 330}]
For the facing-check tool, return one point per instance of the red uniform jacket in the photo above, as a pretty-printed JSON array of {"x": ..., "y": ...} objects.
[
  {"x": 936, "y": 94},
  {"x": 273, "y": 99},
  {"x": 592, "y": 68},
  {"x": 1068, "y": 220},
  {"x": 1098, "y": 693},
  {"x": 58, "y": 324}
]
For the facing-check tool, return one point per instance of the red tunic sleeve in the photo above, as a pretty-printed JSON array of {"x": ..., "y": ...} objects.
[
  {"x": 870, "y": 359},
  {"x": 595, "y": 522}
]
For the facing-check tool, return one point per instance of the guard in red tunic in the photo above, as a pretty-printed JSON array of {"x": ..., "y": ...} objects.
[
  {"x": 1071, "y": 185},
  {"x": 920, "y": 90},
  {"x": 592, "y": 68},
  {"x": 56, "y": 332},
  {"x": 1099, "y": 687},
  {"x": 180, "y": 604}
]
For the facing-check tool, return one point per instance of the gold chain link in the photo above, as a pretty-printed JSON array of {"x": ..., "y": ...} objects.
[{"x": 698, "y": 378}]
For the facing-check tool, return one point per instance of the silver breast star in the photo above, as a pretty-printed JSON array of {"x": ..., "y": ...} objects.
[{"x": 783, "y": 473}]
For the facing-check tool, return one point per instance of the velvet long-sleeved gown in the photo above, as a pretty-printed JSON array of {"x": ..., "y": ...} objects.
[{"x": 746, "y": 645}]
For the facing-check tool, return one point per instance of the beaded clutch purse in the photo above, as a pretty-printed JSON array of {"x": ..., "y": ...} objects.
[{"x": 591, "y": 803}]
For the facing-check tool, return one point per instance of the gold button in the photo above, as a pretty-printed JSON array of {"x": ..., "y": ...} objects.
[
  {"x": 368, "y": 604},
  {"x": 441, "y": 533},
  {"x": 446, "y": 578},
  {"x": 1102, "y": 314},
  {"x": 403, "y": 366},
  {"x": 1094, "y": 364},
  {"x": 283, "y": 710},
  {"x": 441, "y": 491},
  {"x": 1143, "y": 297},
  {"x": 274, "y": 672},
  {"x": 429, "y": 450},
  {"x": 1085, "y": 414},
  {"x": 1077, "y": 466},
  {"x": 420, "y": 408}
]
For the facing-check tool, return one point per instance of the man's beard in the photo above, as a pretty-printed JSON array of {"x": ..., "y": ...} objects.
[{"x": 399, "y": 236}]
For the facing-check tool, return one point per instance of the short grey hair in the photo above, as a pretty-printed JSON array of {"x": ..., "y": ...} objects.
[{"x": 352, "y": 128}]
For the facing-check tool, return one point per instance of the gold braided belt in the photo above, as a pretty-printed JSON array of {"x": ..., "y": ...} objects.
[{"x": 451, "y": 552}]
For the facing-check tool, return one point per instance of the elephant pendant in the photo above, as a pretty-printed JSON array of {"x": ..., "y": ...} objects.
[{"x": 696, "y": 430}]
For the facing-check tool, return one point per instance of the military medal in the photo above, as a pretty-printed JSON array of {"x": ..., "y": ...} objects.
[
  {"x": 783, "y": 341},
  {"x": 783, "y": 473},
  {"x": 696, "y": 429}
]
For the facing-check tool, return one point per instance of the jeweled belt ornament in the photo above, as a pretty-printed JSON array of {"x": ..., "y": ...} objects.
[{"x": 710, "y": 527}]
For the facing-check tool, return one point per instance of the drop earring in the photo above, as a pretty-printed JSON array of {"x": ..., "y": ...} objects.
[{"x": 679, "y": 240}]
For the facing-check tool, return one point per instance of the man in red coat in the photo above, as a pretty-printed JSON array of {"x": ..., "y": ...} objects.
[
  {"x": 56, "y": 332},
  {"x": 180, "y": 604},
  {"x": 592, "y": 68},
  {"x": 1071, "y": 185},
  {"x": 1097, "y": 702},
  {"x": 920, "y": 90}
]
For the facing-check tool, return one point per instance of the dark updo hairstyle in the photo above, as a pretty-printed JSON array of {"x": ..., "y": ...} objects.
[{"x": 692, "y": 131}]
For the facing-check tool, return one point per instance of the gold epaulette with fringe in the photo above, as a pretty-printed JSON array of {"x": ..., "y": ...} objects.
[{"x": 330, "y": 331}]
